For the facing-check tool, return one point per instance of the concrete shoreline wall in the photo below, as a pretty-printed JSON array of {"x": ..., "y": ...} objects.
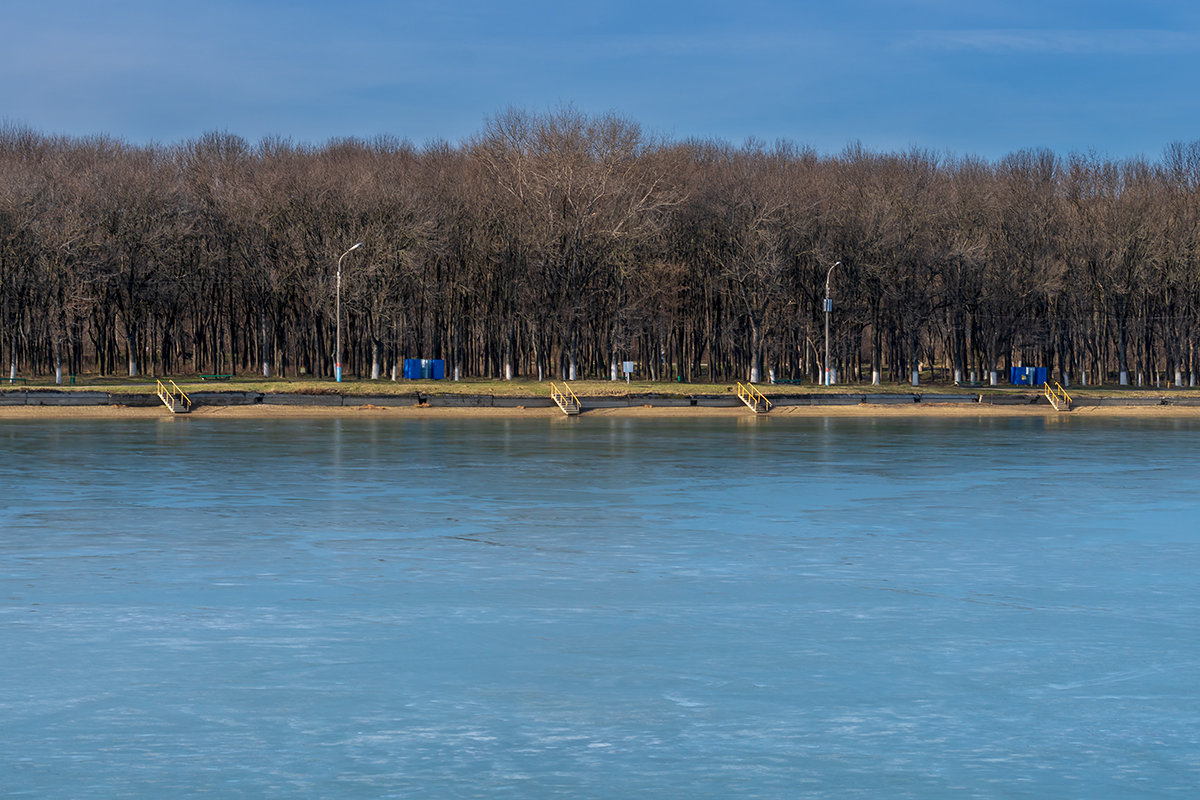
[{"x": 53, "y": 397}]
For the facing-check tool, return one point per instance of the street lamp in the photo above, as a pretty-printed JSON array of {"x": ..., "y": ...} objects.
[
  {"x": 337, "y": 355},
  {"x": 828, "y": 311}
]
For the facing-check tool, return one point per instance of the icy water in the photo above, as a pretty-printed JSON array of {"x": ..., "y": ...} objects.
[{"x": 600, "y": 608}]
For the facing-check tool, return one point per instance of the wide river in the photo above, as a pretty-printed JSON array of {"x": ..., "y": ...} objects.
[{"x": 600, "y": 608}]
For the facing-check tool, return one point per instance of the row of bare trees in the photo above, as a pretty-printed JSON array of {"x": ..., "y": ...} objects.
[{"x": 561, "y": 244}]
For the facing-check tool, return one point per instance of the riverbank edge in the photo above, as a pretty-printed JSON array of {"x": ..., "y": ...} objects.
[{"x": 43, "y": 402}]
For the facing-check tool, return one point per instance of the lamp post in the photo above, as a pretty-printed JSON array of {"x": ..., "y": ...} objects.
[
  {"x": 337, "y": 354},
  {"x": 828, "y": 311}
]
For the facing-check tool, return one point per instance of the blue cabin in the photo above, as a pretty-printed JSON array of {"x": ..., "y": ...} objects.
[
  {"x": 1028, "y": 376},
  {"x": 424, "y": 369}
]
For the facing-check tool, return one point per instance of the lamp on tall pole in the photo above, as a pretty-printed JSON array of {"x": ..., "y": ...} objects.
[
  {"x": 337, "y": 355},
  {"x": 828, "y": 311}
]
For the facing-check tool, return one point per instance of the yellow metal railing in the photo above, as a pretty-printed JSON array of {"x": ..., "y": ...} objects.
[
  {"x": 173, "y": 395},
  {"x": 565, "y": 398},
  {"x": 752, "y": 397},
  {"x": 1058, "y": 396}
]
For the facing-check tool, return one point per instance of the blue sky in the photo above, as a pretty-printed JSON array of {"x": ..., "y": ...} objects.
[{"x": 984, "y": 78}]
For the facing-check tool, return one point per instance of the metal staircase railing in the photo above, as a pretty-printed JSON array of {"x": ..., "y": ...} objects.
[
  {"x": 1058, "y": 396},
  {"x": 755, "y": 400},
  {"x": 173, "y": 397},
  {"x": 565, "y": 399}
]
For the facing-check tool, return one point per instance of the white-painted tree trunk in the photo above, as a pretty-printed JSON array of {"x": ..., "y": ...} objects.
[
  {"x": 916, "y": 378},
  {"x": 612, "y": 369},
  {"x": 1124, "y": 378},
  {"x": 993, "y": 378},
  {"x": 1178, "y": 378},
  {"x": 771, "y": 376},
  {"x": 266, "y": 362},
  {"x": 876, "y": 379},
  {"x": 754, "y": 374},
  {"x": 508, "y": 371}
]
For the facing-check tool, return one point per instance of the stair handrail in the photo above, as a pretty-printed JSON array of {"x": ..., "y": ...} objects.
[
  {"x": 563, "y": 396},
  {"x": 1058, "y": 396},
  {"x": 187, "y": 401},
  {"x": 750, "y": 395},
  {"x": 167, "y": 394}
]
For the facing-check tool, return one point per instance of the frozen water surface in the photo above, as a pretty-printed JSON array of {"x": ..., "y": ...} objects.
[{"x": 599, "y": 608}]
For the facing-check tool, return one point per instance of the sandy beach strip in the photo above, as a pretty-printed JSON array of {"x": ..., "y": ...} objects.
[{"x": 865, "y": 410}]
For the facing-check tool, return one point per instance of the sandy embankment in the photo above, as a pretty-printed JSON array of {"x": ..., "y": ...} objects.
[{"x": 928, "y": 410}]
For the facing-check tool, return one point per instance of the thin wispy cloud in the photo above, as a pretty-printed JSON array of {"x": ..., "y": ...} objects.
[{"x": 1062, "y": 42}]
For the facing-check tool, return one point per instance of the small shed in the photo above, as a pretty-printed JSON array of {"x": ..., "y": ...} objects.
[
  {"x": 1028, "y": 376},
  {"x": 424, "y": 369}
]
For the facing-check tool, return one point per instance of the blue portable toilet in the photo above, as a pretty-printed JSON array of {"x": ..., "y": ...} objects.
[
  {"x": 427, "y": 369},
  {"x": 1028, "y": 376}
]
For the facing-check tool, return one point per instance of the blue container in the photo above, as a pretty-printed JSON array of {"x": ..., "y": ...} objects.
[
  {"x": 427, "y": 369},
  {"x": 1028, "y": 376}
]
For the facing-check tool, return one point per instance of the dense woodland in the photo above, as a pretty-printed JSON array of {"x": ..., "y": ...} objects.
[{"x": 561, "y": 244}]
